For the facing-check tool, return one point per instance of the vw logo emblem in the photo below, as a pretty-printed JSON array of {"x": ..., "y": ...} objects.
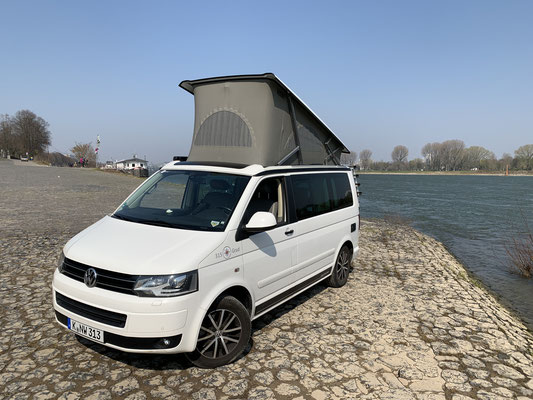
[{"x": 90, "y": 277}]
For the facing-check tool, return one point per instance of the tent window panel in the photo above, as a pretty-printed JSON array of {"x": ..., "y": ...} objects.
[{"x": 224, "y": 128}]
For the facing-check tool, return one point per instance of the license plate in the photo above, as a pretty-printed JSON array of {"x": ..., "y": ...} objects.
[{"x": 85, "y": 330}]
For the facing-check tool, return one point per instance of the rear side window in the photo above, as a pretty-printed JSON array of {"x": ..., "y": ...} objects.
[
  {"x": 341, "y": 191},
  {"x": 316, "y": 194}
]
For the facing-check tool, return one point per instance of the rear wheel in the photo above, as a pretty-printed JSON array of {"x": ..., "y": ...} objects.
[
  {"x": 341, "y": 269},
  {"x": 224, "y": 334}
]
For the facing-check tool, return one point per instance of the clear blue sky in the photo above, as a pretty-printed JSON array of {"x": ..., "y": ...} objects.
[{"x": 379, "y": 73}]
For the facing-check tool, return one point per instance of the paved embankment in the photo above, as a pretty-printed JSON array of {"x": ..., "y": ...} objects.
[{"x": 409, "y": 323}]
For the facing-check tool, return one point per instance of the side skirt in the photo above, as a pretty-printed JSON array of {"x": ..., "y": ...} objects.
[{"x": 289, "y": 293}]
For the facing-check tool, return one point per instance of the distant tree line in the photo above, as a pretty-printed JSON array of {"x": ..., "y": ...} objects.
[
  {"x": 450, "y": 155},
  {"x": 25, "y": 133}
]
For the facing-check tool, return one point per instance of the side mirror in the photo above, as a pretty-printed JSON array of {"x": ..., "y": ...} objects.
[{"x": 261, "y": 221}]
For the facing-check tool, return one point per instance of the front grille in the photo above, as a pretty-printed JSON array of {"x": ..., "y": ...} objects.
[
  {"x": 115, "y": 281},
  {"x": 96, "y": 314}
]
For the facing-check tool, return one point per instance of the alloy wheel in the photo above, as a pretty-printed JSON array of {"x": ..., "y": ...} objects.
[
  {"x": 343, "y": 265},
  {"x": 219, "y": 334}
]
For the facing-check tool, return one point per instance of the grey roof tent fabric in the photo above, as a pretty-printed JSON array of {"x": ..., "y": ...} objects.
[{"x": 256, "y": 119}]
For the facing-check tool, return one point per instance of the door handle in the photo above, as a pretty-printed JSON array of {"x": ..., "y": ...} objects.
[{"x": 289, "y": 232}]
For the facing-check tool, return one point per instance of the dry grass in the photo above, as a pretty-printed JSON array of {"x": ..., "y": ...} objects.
[{"x": 519, "y": 248}]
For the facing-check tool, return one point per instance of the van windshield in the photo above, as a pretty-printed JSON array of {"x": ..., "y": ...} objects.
[{"x": 193, "y": 200}]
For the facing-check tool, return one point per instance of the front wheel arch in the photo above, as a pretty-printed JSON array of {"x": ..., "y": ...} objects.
[{"x": 240, "y": 293}]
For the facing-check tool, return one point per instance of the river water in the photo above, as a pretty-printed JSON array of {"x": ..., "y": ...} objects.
[{"x": 474, "y": 216}]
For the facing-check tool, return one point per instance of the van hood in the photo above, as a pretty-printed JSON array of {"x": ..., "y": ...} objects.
[{"x": 140, "y": 249}]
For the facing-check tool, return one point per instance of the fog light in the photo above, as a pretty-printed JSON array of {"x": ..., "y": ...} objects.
[{"x": 166, "y": 342}]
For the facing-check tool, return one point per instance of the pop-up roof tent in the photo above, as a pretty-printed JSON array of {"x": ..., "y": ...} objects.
[{"x": 256, "y": 119}]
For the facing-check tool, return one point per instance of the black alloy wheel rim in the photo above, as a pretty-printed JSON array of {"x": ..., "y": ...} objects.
[
  {"x": 220, "y": 333},
  {"x": 343, "y": 265}
]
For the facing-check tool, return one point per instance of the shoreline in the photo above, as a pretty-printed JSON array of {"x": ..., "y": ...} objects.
[
  {"x": 497, "y": 297},
  {"x": 471, "y": 275}
]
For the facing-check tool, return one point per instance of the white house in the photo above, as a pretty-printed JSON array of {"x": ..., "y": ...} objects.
[{"x": 132, "y": 163}]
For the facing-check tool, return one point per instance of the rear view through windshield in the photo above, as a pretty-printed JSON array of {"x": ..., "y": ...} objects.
[{"x": 185, "y": 199}]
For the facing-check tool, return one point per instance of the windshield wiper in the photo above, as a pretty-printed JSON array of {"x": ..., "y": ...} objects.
[{"x": 157, "y": 222}]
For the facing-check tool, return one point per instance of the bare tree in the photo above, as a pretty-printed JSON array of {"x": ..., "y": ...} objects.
[
  {"x": 427, "y": 154},
  {"x": 349, "y": 158},
  {"x": 474, "y": 155},
  {"x": 431, "y": 153},
  {"x": 6, "y": 135},
  {"x": 85, "y": 151},
  {"x": 366, "y": 158},
  {"x": 451, "y": 154},
  {"x": 505, "y": 161},
  {"x": 399, "y": 155},
  {"x": 524, "y": 154},
  {"x": 416, "y": 164},
  {"x": 30, "y": 132}
]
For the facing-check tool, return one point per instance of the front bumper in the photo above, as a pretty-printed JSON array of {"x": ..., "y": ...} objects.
[
  {"x": 128, "y": 343},
  {"x": 130, "y": 323}
]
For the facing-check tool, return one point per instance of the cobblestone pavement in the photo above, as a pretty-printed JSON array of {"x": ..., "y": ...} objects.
[{"x": 410, "y": 323}]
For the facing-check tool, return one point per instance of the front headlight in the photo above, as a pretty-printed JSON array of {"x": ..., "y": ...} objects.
[
  {"x": 60, "y": 262},
  {"x": 166, "y": 285}
]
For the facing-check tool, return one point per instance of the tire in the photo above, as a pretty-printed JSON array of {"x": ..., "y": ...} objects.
[
  {"x": 341, "y": 269},
  {"x": 225, "y": 332}
]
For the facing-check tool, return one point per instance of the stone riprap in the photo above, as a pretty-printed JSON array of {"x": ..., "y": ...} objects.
[{"x": 410, "y": 323}]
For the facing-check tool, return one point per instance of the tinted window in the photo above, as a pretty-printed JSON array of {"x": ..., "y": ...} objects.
[
  {"x": 316, "y": 194},
  {"x": 311, "y": 196},
  {"x": 341, "y": 191}
]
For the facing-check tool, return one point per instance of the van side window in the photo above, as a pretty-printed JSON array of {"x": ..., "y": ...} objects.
[
  {"x": 316, "y": 194},
  {"x": 268, "y": 196},
  {"x": 311, "y": 196},
  {"x": 341, "y": 191}
]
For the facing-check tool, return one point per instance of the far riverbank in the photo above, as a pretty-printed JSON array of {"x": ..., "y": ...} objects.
[{"x": 446, "y": 173}]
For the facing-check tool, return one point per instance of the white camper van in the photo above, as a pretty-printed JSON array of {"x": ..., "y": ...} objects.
[{"x": 204, "y": 247}]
